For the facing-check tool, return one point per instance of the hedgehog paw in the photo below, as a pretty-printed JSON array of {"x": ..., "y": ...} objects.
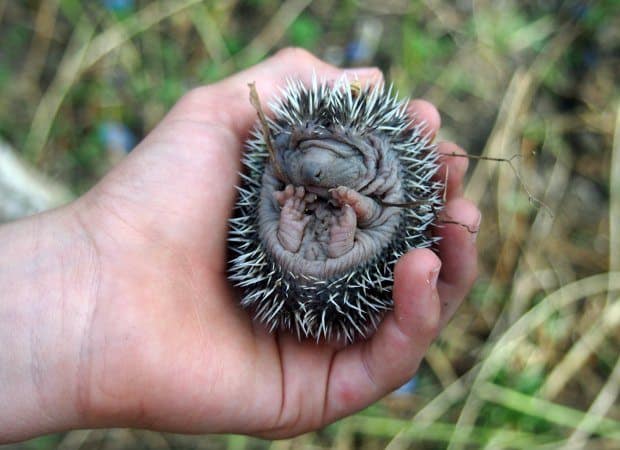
[
  {"x": 366, "y": 209},
  {"x": 342, "y": 232},
  {"x": 293, "y": 221}
]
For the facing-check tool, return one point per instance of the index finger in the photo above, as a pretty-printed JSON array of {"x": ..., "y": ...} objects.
[{"x": 227, "y": 102}]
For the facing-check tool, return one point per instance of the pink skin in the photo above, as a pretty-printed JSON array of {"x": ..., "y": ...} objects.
[
  {"x": 342, "y": 232},
  {"x": 116, "y": 311},
  {"x": 292, "y": 219},
  {"x": 366, "y": 209},
  {"x": 355, "y": 208}
]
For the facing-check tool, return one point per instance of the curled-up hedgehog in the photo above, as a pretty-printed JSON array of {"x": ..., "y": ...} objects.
[{"x": 336, "y": 187}]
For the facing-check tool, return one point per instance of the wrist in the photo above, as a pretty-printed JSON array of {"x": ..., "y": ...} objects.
[{"x": 48, "y": 280}]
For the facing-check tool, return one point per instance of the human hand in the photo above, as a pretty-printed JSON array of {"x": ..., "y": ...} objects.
[{"x": 163, "y": 343}]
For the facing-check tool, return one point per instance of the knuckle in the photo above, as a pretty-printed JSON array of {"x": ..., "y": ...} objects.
[
  {"x": 297, "y": 55},
  {"x": 196, "y": 95}
]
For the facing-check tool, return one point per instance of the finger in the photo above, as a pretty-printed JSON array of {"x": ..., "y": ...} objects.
[
  {"x": 425, "y": 112},
  {"x": 452, "y": 169},
  {"x": 368, "y": 370},
  {"x": 457, "y": 249},
  {"x": 227, "y": 102},
  {"x": 279, "y": 196}
]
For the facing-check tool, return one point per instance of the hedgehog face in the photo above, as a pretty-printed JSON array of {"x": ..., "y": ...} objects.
[
  {"x": 322, "y": 163},
  {"x": 316, "y": 234}
]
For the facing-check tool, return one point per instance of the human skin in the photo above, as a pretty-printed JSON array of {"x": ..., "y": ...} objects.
[{"x": 115, "y": 310}]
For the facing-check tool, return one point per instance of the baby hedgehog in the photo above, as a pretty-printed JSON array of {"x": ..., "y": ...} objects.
[{"x": 339, "y": 189}]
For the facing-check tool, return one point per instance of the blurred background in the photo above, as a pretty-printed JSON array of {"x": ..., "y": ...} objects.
[{"x": 531, "y": 361}]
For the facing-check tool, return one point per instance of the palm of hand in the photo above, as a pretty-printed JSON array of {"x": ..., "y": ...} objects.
[{"x": 167, "y": 345}]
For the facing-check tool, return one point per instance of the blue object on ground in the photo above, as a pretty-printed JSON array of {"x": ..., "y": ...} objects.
[
  {"x": 408, "y": 388},
  {"x": 118, "y": 5},
  {"x": 116, "y": 137},
  {"x": 357, "y": 51}
]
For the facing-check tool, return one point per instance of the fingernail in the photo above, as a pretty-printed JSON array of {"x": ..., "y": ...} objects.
[
  {"x": 433, "y": 275},
  {"x": 363, "y": 72},
  {"x": 475, "y": 228}
]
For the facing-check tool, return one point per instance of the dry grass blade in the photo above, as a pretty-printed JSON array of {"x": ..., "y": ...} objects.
[
  {"x": 212, "y": 39},
  {"x": 579, "y": 353},
  {"x": 608, "y": 395},
  {"x": 440, "y": 364},
  {"x": 549, "y": 411},
  {"x": 120, "y": 33},
  {"x": 68, "y": 72},
  {"x": 44, "y": 33},
  {"x": 614, "y": 199},
  {"x": 594, "y": 418},
  {"x": 497, "y": 145},
  {"x": 272, "y": 32},
  {"x": 519, "y": 95},
  {"x": 74, "y": 440},
  {"x": 26, "y": 191},
  {"x": 459, "y": 389},
  {"x": 82, "y": 52},
  {"x": 437, "y": 407},
  {"x": 438, "y": 431},
  {"x": 505, "y": 346}
]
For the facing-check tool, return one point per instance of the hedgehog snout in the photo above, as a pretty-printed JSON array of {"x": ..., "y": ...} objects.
[{"x": 312, "y": 172}]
